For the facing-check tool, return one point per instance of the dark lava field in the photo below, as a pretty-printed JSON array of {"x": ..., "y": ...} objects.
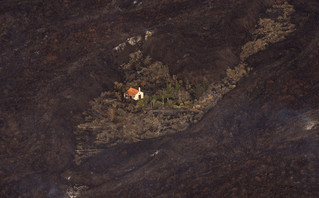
[{"x": 260, "y": 139}]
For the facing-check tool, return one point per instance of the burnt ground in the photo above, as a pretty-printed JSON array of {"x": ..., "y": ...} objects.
[{"x": 260, "y": 140}]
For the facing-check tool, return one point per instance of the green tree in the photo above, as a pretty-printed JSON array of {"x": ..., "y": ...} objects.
[
  {"x": 200, "y": 88},
  {"x": 143, "y": 102},
  {"x": 177, "y": 86},
  {"x": 205, "y": 83},
  {"x": 154, "y": 99},
  {"x": 169, "y": 88}
]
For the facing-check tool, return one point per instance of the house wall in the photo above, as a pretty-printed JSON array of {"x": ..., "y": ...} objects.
[{"x": 137, "y": 95}]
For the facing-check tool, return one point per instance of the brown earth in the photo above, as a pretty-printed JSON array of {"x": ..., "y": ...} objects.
[{"x": 260, "y": 140}]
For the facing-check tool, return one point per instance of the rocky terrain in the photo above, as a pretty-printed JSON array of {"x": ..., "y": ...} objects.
[
  {"x": 113, "y": 121},
  {"x": 252, "y": 133}
]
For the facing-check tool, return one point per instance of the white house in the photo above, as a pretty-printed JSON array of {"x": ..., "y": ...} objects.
[{"x": 134, "y": 94}]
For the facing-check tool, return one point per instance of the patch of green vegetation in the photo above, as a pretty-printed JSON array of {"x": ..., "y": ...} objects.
[
  {"x": 169, "y": 103},
  {"x": 169, "y": 91},
  {"x": 177, "y": 86},
  {"x": 157, "y": 104},
  {"x": 200, "y": 89},
  {"x": 154, "y": 101},
  {"x": 176, "y": 94},
  {"x": 143, "y": 102}
]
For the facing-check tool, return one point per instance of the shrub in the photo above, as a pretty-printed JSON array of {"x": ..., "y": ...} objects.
[
  {"x": 205, "y": 83},
  {"x": 169, "y": 102},
  {"x": 169, "y": 89},
  {"x": 157, "y": 104},
  {"x": 200, "y": 88},
  {"x": 177, "y": 86},
  {"x": 143, "y": 102}
]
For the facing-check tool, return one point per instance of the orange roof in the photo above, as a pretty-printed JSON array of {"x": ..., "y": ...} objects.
[{"x": 131, "y": 92}]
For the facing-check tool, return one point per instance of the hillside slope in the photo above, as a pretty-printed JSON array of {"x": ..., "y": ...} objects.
[{"x": 259, "y": 140}]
